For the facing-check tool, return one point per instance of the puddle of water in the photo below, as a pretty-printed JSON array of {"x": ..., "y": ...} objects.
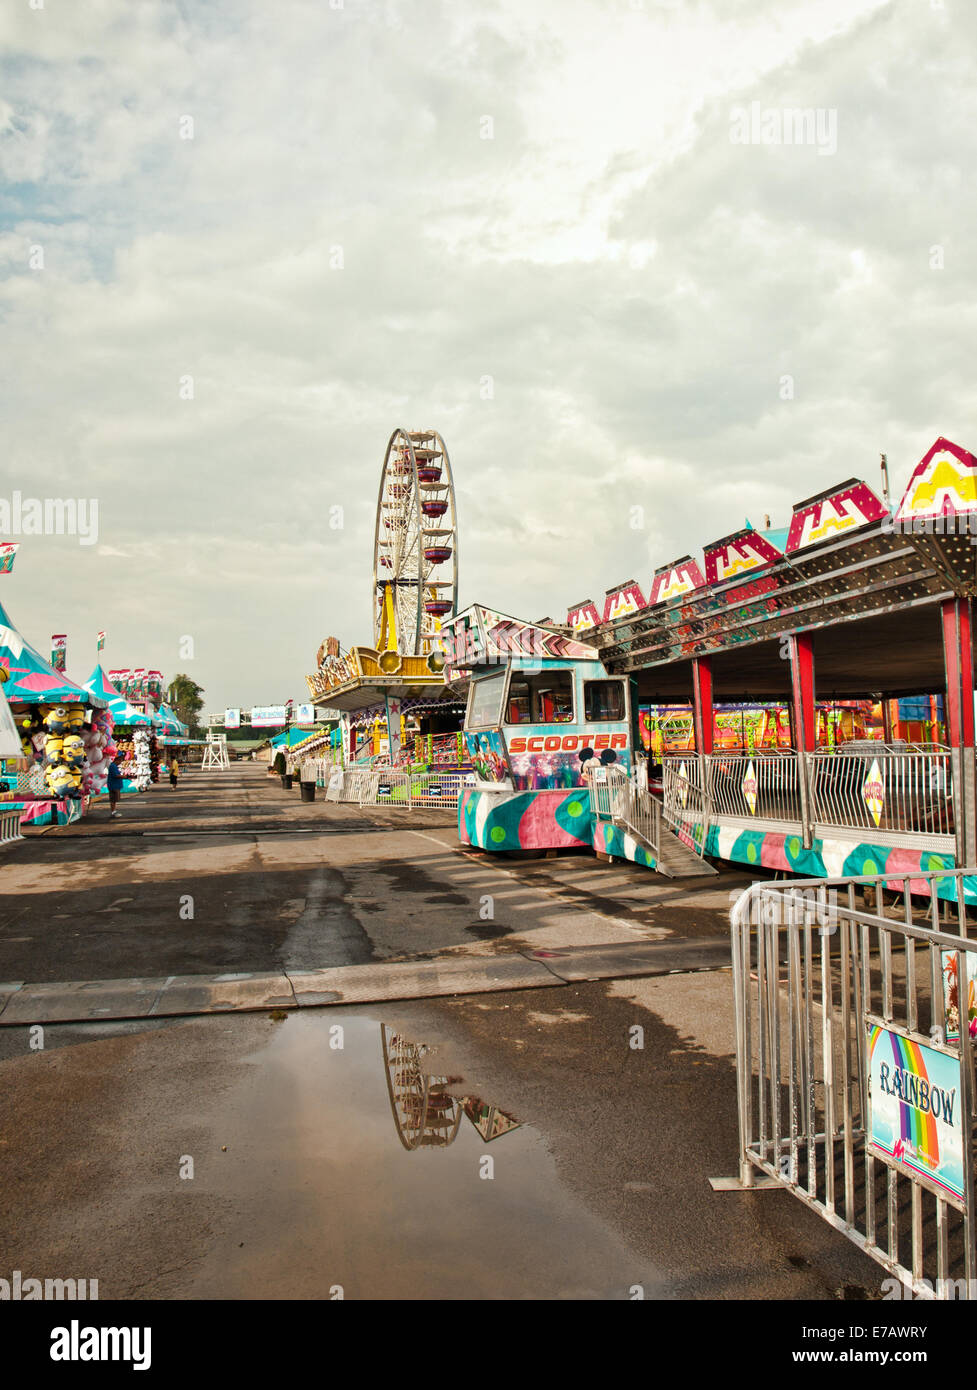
[{"x": 366, "y": 1167}]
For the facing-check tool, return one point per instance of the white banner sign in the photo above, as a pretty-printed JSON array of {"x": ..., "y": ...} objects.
[{"x": 268, "y": 716}]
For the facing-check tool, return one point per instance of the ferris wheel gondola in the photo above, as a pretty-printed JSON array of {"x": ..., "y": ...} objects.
[{"x": 415, "y": 570}]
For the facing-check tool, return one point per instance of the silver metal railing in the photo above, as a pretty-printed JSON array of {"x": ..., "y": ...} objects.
[
  {"x": 10, "y": 827},
  {"x": 642, "y": 814},
  {"x": 607, "y": 787},
  {"x": 908, "y": 792},
  {"x": 872, "y": 789},
  {"x": 615, "y": 796},
  {"x": 686, "y": 804},
  {"x": 762, "y": 786},
  {"x": 855, "y": 1079}
]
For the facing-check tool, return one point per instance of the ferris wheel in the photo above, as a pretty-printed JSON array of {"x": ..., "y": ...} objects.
[
  {"x": 415, "y": 553},
  {"x": 424, "y": 1114}
]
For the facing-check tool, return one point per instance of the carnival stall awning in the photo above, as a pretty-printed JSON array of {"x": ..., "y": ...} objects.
[
  {"x": 99, "y": 685},
  {"x": 290, "y": 738},
  {"x": 31, "y": 679},
  {"x": 169, "y": 724}
]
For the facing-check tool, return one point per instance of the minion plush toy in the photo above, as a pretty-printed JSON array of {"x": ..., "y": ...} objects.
[
  {"x": 53, "y": 750},
  {"x": 56, "y": 720},
  {"x": 61, "y": 781},
  {"x": 74, "y": 751},
  {"x": 76, "y": 717}
]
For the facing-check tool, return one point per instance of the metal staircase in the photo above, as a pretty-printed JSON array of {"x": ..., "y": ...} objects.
[{"x": 638, "y": 813}]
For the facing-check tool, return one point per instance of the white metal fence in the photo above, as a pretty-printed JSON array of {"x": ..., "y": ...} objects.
[
  {"x": 855, "y": 1082},
  {"x": 396, "y": 787},
  {"x": 10, "y": 827}
]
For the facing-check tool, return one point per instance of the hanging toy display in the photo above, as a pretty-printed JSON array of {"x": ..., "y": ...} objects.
[
  {"x": 97, "y": 739},
  {"x": 140, "y": 743}
]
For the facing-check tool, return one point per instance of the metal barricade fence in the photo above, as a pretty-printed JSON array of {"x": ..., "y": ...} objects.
[
  {"x": 10, "y": 827},
  {"x": 395, "y": 787},
  {"x": 435, "y": 789},
  {"x": 387, "y": 787},
  {"x": 356, "y": 784},
  {"x": 855, "y": 1077}
]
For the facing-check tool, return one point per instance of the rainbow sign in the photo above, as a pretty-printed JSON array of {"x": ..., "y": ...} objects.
[{"x": 916, "y": 1107}]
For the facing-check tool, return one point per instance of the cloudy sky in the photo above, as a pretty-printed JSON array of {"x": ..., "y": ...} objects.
[{"x": 534, "y": 225}]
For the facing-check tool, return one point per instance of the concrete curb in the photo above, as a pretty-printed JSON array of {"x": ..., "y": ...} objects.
[
  {"x": 103, "y": 1000},
  {"x": 91, "y": 1001}
]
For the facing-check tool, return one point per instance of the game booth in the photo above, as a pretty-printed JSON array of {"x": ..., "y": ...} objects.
[
  {"x": 134, "y": 734},
  {"x": 173, "y": 738},
  {"x": 65, "y": 734}
]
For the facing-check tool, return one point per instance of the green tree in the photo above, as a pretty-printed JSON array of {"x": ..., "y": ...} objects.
[{"x": 183, "y": 696}]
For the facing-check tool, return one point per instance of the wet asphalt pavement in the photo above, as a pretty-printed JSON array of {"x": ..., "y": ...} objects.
[
  {"x": 273, "y": 882},
  {"x": 317, "y": 1167}
]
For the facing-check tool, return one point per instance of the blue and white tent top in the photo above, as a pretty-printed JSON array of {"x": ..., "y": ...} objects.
[
  {"x": 170, "y": 724},
  {"x": 123, "y": 713},
  {"x": 33, "y": 681}
]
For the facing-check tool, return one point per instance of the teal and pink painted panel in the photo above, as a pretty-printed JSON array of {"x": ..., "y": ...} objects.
[
  {"x": 826, "y": 858},
  {"x": 556, "y": 819}
]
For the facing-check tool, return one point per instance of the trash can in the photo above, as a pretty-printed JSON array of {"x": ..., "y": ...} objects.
[
  {"x": 308, "y": 791},
  {"x": 287, "y": 781}
]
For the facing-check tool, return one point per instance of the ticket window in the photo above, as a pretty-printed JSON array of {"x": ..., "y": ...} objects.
[
  {"x": 545, "y": 697},
  {"x": 604, "y": 701},
  {"x": 484, "y": 700}
]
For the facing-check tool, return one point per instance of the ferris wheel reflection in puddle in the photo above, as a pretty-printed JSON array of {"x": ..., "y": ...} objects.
[{"x": 425, "y": 1115}]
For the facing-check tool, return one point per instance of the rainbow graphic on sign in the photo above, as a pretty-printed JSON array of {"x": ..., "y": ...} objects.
[{"x": 915, "y": 1102}]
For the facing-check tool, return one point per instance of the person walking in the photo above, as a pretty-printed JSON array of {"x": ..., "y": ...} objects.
[
  {"x": 114, "y": 786},
  {"x": 174, "y": 772}
]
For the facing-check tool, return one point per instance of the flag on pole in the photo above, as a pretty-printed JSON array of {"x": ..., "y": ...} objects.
[
  {"x": 101, "y": 641},
  {"x": 59, "y": 650},
  {"x": 8, "y": 551}
]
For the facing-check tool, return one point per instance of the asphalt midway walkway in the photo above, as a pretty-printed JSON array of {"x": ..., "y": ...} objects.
[
  {"x": 589, "y": 1005},
  {"x": 231, "y": 894}
]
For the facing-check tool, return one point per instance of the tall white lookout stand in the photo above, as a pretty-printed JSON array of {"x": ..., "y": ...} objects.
[{"x": 215, "y": 754}]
